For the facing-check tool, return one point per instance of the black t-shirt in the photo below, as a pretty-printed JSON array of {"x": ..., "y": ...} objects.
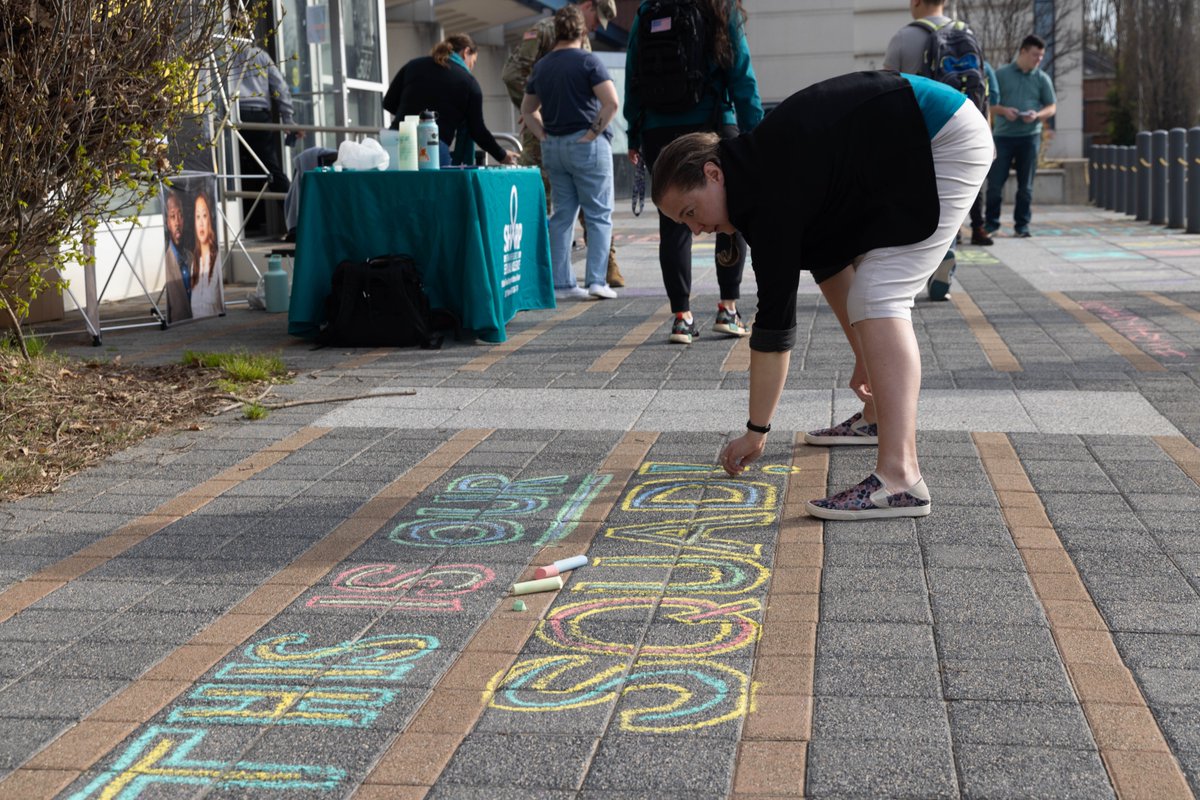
[
  {"x": 563, "y": 81},
  {"x": 837, "y": 169}
]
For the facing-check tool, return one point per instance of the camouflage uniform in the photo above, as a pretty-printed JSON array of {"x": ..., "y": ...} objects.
[{"x": 536, "y": 42}]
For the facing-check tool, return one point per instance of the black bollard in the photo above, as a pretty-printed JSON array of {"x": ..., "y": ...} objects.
[
  {"x": 1143, "y": 176},
  {"x": 1104, "y": 185},
  {"x": 1130, "y": 180},
  {"x": 1114, "y": 176},
  {"x": 1158, "y": 178},
  {"x": 1193, "y": 180},
  {"x": 1176, "y": 169},
  {"x": 1093, "y": 174},
  {"x": 1119, "y": 186}
]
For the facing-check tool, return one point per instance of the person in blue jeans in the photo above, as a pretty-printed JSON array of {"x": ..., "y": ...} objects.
[
  {"x": 569, "y": 102},
  {"x": 1028, "y": 100}
]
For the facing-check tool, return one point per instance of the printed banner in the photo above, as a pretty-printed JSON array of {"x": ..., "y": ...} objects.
[{"x": 193, "y": 254}]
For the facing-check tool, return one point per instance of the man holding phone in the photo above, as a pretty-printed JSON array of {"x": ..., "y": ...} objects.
[{"x": 1029, "y": 100}]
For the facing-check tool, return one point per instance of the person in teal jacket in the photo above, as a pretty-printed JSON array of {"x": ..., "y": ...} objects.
[{"x": 730, "y": 104}]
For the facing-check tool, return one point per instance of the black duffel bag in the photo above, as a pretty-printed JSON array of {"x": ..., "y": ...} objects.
[{"x": 378, "y": 303}]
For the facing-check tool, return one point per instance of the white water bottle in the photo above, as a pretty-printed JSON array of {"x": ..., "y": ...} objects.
[{"x": 406, "y": 144}]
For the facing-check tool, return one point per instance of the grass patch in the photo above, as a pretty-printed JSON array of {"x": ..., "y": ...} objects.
[
  {"x": 254, "y": 411},
  {"x": 239, "y": 366}
]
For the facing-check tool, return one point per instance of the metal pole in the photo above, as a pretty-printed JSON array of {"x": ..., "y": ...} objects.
[
  {"x": 1092, "y": 170},
  {"x": 1143, "y": 176},
  {"x": 1130, "y": 180},
  {"x": 1193, "y": 181},
  {"x": 1176, "y": 164},
  {"x": 1114, "y": 173},
  {"x": 1119, "y": 169},
  {"x": 1102, "y": 186},
  {"x": 1158, "y": 178}
]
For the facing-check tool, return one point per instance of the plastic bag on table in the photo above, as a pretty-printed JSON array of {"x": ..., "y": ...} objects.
[{"x": 364, "y": 155}]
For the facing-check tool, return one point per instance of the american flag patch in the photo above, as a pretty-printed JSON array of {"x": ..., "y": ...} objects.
[{"x": 660, "y": 25}]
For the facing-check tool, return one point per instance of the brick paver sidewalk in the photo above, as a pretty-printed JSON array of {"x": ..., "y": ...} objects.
[{"x": 317, "y": 605}]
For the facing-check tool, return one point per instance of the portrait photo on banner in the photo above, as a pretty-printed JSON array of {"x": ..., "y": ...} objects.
[{"x": 192, "y": 260}]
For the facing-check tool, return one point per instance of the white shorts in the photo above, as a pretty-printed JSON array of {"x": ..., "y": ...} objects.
[{"x": 887, "y": 280}]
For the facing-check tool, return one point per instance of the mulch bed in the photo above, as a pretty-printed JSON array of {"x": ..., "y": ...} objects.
[{"x": 58, "y": 415}]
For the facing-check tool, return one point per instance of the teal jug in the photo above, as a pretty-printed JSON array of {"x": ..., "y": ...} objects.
[
  {"x": 428, "y": 145},
  {"x": 275, "y": 285}
]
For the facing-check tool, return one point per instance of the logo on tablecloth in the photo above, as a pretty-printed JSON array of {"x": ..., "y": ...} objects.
[{"x": 512, "y": 248}]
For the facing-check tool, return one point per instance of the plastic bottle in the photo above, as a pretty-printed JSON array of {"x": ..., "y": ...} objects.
[
  {"x": 275, "y": 285},
  {"x": 389, "y": 140},
  {"x": 427, "y": 137},
  {"x": 406, "y": 144}
]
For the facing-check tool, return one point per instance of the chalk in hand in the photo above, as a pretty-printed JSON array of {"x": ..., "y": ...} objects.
[
  {"x": 560, "y": 566},
  {"x": 543, "y": 585}
]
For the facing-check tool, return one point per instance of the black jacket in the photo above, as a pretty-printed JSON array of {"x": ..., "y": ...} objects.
[
  {"x": 837, "y": 169},
  {"x": 451, "y": 91}
]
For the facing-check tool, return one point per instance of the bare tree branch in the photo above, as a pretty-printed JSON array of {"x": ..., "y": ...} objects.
[{"x": 88, "y": 93}]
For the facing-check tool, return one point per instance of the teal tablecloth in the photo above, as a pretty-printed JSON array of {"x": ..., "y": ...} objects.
[{"x": 479, "y": 237}]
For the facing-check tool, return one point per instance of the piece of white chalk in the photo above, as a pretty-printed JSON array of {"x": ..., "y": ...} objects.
[
  {"x": 560, "y": 566},
  {"x": 543, "y": 585}
]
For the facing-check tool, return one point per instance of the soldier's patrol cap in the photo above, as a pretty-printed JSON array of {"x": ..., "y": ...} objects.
[{"x": 606, "y": 11}]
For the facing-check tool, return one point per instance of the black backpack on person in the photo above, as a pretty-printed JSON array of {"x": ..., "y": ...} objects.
[
  {"x": 672, "y": 55},
  {"x": 954, "y": 57},
  {"x": 378, "y": 303}
]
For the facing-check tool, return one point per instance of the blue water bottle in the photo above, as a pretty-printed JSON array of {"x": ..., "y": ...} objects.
[
  {"x": 428, "y": 153},
  {"x": 275, "y": 285}
]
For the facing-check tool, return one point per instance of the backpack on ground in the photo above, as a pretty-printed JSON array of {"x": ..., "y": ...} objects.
[
  {"x": 378, "y": 303},
  {"x": 954, "y": 57},
  {"x": 672, "y": 55}
]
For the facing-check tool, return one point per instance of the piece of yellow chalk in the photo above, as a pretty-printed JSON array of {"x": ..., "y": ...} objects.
[{"x": 543, "y": 585}]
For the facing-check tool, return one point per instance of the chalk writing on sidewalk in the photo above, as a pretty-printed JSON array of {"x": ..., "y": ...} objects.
[
  {"x": 162, "y": 755},
  {"x": 440, "y": 588},
  {"x": 491, "y": 509},
  {"x": 698, "y": 584},
  {"x": 1145, "y": 334},
  {"x": 279, "y": 680}
]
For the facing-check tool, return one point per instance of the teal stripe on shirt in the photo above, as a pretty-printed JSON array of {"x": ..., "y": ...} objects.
[{"x": 938, "y": 101}]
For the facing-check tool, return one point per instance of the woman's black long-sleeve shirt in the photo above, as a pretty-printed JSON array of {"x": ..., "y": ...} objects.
[
  {"x": 837, "y": 169},
  {"x": 451, "y": 91}
]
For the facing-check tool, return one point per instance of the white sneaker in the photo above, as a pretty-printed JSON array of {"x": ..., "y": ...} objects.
[
  {"x": 574, "y": 293},
  {"x": 602, "y": 290}
]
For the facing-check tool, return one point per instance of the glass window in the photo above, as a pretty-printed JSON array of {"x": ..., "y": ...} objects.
[
  {"x": 366, "y": 108},
  {"x": 360, "y": 24}
]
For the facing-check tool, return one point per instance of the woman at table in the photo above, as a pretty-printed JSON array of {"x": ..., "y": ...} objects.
[
  {"x": 442, "y": 82},
  {"x": 569, "y": 102},
  {"x": 206, "y": 276}
]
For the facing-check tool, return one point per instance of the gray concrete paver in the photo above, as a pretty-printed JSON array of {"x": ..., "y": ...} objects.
[{"x": 935, "y": 671}]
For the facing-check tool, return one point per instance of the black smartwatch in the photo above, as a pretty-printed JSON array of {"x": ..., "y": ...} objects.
[{"x": 750, "y": 426}]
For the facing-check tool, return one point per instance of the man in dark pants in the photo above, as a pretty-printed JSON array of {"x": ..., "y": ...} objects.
[
  {"x": 258, "y": 85},
  {"x": 1027, "y": 99}
]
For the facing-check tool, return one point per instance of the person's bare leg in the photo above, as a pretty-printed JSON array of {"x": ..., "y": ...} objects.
[
  {"x": 835, "y": 289},
  {"x": 893, "y": 361}
]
